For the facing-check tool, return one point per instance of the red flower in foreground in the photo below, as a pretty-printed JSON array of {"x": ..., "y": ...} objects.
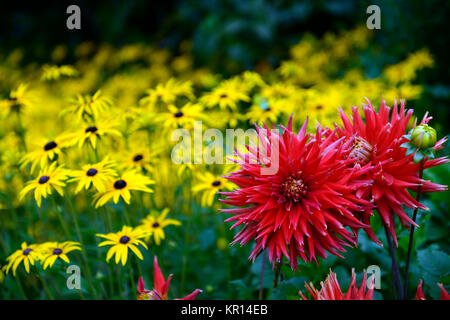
[
  {"x": 305, "y": 206},
  {"x": 419, "y": 294},
  {"x": 161, "y": 287},
  {"x": 379, "y": 158},
  {"x": 330, "y": 289}
]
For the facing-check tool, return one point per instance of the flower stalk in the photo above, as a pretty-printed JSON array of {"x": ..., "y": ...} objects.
[
  {"x": 396, "y": 276},
  {"x": 277, "y": 274},
  {"x": 411, "y": 235},
  {"x": 261, "y": 275}
]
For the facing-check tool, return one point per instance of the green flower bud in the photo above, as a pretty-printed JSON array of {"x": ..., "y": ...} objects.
[{"x": 423, "y": 136}]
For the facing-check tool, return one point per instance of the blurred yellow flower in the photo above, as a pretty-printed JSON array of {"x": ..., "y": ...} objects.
[
  {"x": 141, "y": 158},
  {"x": 88, "y": 107},
  {"x": 167, "y": 93},
  {"x": 181, "y": 117},
  {"x": 225, "y": 95},
  {"x": 264, "y": 110},
  {"x": 92, "y": 133},
  {"x": 19, "y": 98},
  {"x": 154, "y": 224},
  {"x": 207, "y": 185},
  {"x": 54, "y": 72}
]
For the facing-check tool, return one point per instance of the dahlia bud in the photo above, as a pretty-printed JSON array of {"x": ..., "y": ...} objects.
[{"x": 423, "y": 136}]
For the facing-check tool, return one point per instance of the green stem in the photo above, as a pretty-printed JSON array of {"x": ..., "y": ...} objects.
[
  {"x": 108, "y": 219},
  {"x": 138, "y": 262},
  {"x": 133, "y": 283},
  {"x": 22, "y": 291},
  {"x": 61, "y": 219},
  {"x": 184, "y": 258},
  {"x": 109, "y": 227},
  {"x": 81, "y": 294},
  {"x": 44, "y": 284},
  {"x": 186, "y": 237},
  {"x": 119, "y": 280},
  {"x": 277, "y": 274},
  {"x": 396, "y": 276},
  {"x": 127, "y": 217},
  {"x": 83, "y": 252},
  {"x": 261, "y": 275}
]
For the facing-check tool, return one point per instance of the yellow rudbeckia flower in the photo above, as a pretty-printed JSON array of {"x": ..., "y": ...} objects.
[
  {"x": 127, "y": 238},
  {"x": 52, "y": 251},
  {"x": 27, "y": 254},
  {"x": 50, "y": 178},
  {"x": 121, "y": 187},
  {"x": 97, "y": 175},
  {"x": 44, "y": 153}
]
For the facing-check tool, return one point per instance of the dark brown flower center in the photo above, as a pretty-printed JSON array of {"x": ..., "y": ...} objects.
[
  {"x": 44, "y": 179},
  {"x": 120, "y": 184},
  {"x": 216, "y": 183},
  {"x": 138, "y": 157},
  {"x": 294, "y": 188},
  {"x": 124, "y": 240},
  {"x": 50, "y": 145},
  {"x": 91, "y": 129},
  {"x": 57, "y": 251},
  {"x": 362, "y": 151},
  {"x": 178, "y": 114},
  {"x": 155, "y": 225},
  {"x": 91, "y": 172},
  {"x": 223, "y": 95},
  {"x": 27, "y": 251}
]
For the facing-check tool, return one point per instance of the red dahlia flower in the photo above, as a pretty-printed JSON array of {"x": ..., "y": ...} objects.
[
  {"x": 420, "y": 296},
  {"x": 161, "y": 287},
  {"x": 330, "y": 289},
  {"x": 304, "y": 206},
  {"x": 376, "y": 152}
]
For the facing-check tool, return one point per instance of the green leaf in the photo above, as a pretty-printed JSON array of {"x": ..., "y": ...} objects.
[
  {"x": 410, "y": 148},
  {"x": 405, "y": 145},
  {"x": 418, "y": 156},
  {"x": 434, "y": 265},
  {"x": 429, "y": 152},
  {"x": 288, "y": 289}
]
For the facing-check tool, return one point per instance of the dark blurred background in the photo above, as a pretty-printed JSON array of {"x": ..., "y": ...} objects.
[
  {"x": 235, "y": 35},
  {"x": 245, "y": 32}
]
